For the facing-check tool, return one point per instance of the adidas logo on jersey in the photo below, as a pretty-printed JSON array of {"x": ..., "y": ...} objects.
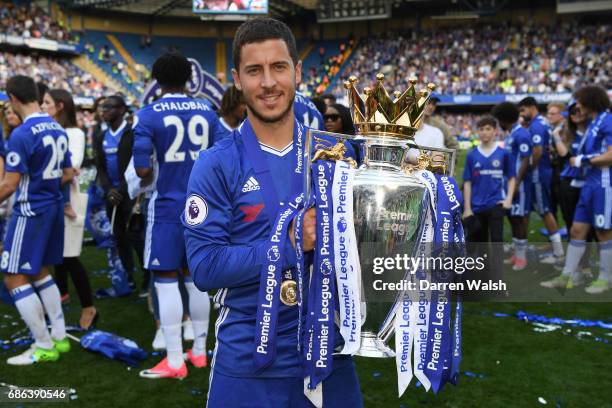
[
  {"x": 477, "y": 165},
  {"x": 26, "y": 266},
  {"x": 155, "y": 262},
  {"x": 251, "y": 185}
]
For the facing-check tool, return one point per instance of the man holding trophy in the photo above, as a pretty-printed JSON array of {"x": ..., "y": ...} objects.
[
  {"x": 242, "y": 194},
  {"x": 286, "y": 228}
]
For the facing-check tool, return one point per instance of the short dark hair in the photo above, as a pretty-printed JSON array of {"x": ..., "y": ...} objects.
[
  {"x": 67, "y": 116},
  {"x": 320, "y": 104},
  {"x": 329, "y": 96},
  {"x": 171, "y": 69},
  {"x": 593, "y": 97},
  {"x": 42, "y": 90},
  {"x": 528, "y": 101},
  {"x": 486, "y": 120},
  {"x": 506, "y": 112},
  {"x": 117, "y": 98},
  {"x": 231, "y": 99},
  {"x": 23, "y": 88},
  {"x": 261, "y": 29}
]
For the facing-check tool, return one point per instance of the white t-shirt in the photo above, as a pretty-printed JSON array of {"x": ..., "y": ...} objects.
[
  {"x": 76, "y": 146},
  {"x": 429, "y": 136}
]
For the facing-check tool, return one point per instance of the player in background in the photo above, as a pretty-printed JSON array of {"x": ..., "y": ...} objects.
[
  {"x": 306, "y": 112},
  {"x": 229, "y": 215},
  {"x": 233, "y": 109},
  {"x": 37, "y": 163},
  {"x": 541, "y": 172},
  {"x": 518, "y": 144},
  {"x": 168, "y": 136},
  {"x": 594, "y": 209}
]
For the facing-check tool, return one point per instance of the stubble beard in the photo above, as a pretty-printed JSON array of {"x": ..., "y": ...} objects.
[{"x": 280, "y": 118}]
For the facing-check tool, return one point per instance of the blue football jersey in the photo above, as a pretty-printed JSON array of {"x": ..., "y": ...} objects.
[
  {"x": 598, "y": 141},
  {"x": 176, "y": 128},
  {"x": 486, "y": 173},
  {"x": 539, "y": 131},
  {"x": 306, "y": 112},
  {"x": 110, "y": 144},
  {"x": 38, "y": 150},
  {"x": 518, "y": 144},
  {"x": 226, "y": 247}
]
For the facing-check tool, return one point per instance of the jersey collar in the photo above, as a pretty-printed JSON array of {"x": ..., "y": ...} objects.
[
  {"x": 119, "y": 129},
  {"x": 490, "y": 153},
  {"x": 35, "y": 115},
  {"x": 174, "y": 95},
  {"x": 225, "y": 125}
]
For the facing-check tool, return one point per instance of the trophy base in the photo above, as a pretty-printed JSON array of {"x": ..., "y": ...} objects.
[{"x": 373, "y": 346}]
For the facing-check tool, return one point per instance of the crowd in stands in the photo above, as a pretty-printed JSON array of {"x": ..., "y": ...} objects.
[
  {"x": 56, "y": 73},
  {"x": 106, "y": 55},
  {"x": 31, "y": 21},
  {"x": 319, "y": 77},
  {"x": 504, "y": 58}
]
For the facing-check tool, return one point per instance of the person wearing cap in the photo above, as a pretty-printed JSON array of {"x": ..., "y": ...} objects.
[{"x": 450, "y": 142}]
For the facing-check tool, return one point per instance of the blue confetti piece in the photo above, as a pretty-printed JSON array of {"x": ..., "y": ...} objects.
[
  {"x": 418, "y": 384},
  {"x": 528, "y": 317},
  {"x": 376, "y": 374},
  {"x": 501, "y": 314},
  {"x": 155, "y": 353},
  {"x": 473, "y": 375}
]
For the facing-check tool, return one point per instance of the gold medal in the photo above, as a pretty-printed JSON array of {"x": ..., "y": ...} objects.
[{"x": 288, "y": 292}]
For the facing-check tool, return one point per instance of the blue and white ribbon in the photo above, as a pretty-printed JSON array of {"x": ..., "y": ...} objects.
[{"x": 348, "y": 270}]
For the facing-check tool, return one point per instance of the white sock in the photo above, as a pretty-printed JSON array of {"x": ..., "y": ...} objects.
[
  {"x": 52, "y": 300},
  {"x": 170, "y": 317},
  {"x": 199, "y": 310},
  {"x": 33, "y": 314},
  {"x": 514, "y": 246},
  {"x": 555, "y": 239},
  {"x": 521, "y": 249},
  {"x": 575, "y": 250},
  {"x": 605, "y": 260}
]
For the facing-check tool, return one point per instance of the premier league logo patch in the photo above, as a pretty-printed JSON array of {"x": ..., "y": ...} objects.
[
  {"x": 326, "y": 267},
  {"x": 13, "y": 159},
  {"x": 196, "y": 210},
  {"x": 273, "y": 254},
  {"x": 495, "y": 163},
  {"x": 342, "y": 225}
]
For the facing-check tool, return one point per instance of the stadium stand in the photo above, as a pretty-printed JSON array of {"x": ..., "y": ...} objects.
[{"x": 497, "y": 59}]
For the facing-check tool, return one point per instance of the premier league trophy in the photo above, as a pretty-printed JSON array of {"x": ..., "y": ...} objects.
[
  {"x": 389, "y": 201},
  {"x": 382, "y": 203}
]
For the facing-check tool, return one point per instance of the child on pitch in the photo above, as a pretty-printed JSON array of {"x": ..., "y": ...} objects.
[
  {"x": 518, "y": 146},
  {"x": 486, "y": 196}
]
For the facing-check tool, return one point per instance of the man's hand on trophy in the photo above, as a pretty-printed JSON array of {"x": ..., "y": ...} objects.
[{"x": 309, "y": 230}]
